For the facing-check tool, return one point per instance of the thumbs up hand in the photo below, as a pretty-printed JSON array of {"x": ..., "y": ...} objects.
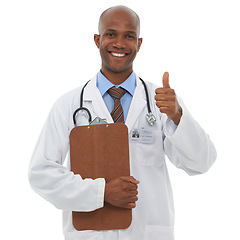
[{"x": 167, "y": 102}]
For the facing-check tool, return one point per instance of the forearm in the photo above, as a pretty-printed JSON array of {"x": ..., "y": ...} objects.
[
  {"x": 50, "y": 179},
  {"x": 62, "y": 188},
  {"x": 189, "y": 147}
]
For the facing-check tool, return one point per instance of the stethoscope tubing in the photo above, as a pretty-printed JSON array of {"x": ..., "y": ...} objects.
[
  {"x": 81, "y": 107},
  {"x": 147, "y": 97}
]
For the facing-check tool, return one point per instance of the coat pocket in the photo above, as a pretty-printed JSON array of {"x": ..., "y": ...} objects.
[
  {"x": 150, "y": 155},
  {"x": 159, "y": 233}
]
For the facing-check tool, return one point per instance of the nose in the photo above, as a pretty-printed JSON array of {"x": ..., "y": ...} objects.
[{"x": 119, "y": 42}]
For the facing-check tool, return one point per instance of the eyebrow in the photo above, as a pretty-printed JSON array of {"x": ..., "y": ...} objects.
[
  {"x": 113, "y": 30},
  {"x": 132, "y": 32}
]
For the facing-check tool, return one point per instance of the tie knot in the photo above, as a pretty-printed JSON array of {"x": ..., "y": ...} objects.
[{"x": 116, "y": 93}]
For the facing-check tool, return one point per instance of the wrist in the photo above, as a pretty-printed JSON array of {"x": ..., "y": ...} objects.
[{"x": 177, "y": 117}]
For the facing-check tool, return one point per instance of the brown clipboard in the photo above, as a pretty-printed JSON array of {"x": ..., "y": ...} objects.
[{"x": 101, "y": 151}]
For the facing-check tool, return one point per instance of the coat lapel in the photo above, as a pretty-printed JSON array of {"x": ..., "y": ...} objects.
[
  {"x": 94, "y": 101},
  {"x": 137, "y": 105}
]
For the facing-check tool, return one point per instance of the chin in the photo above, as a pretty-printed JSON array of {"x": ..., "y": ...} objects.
[{"x": 120, "y": 69}]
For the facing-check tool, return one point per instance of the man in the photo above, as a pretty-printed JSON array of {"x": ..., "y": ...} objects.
[{"x": 174, "y": 133}]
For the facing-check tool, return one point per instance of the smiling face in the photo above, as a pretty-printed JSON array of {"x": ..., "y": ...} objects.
[{"x": 118, "y": 41}]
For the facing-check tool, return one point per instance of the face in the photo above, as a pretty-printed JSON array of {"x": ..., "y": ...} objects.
[{"x": 118, "y": 41}]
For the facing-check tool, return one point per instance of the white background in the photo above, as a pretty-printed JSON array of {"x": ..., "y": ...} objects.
[{"x": 47, "y": 49}]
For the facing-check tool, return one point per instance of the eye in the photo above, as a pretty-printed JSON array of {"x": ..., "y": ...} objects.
[
  {"x": 110, "y": 34},
  {"x": 130, "y": 37}
]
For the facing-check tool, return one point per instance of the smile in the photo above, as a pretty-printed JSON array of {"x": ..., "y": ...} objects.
[{"x": 119, "y": 55}]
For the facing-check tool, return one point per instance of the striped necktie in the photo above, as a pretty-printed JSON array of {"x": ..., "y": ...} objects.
[{"x": 117, "y": 112}]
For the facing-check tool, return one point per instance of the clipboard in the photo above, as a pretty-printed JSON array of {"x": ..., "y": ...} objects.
[{"x": 101, "y": 151}]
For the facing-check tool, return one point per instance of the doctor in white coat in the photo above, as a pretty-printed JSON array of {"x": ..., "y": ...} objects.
[{"x": 175, "y": 134}]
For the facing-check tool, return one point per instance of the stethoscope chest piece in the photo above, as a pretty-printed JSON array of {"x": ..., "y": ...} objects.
[{"x": 151, "y": 119}]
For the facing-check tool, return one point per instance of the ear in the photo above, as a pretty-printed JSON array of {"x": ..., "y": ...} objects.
[
  {"x": 139, "y": 43},
  {"x": 97, "y": 39}
]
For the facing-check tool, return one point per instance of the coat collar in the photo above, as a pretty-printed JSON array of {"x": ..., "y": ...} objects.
[{"x": 93, "y": 98}]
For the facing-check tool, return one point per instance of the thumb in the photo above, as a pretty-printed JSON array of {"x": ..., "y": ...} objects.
[{"x": 165, "y": 80}]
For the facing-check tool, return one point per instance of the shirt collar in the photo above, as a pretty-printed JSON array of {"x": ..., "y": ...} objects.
[{"x": 104, "y": 84}]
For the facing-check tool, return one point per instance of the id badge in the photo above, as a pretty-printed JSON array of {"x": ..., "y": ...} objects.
[{"x": 142, "y": 136}]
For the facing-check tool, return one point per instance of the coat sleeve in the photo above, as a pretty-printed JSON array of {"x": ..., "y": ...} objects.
[
  {"x": 50, "y": 179},
  {"x": 188, "y": 146}
]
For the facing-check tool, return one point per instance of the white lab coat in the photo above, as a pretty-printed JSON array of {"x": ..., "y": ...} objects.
[{"x": 188, "y": 147}]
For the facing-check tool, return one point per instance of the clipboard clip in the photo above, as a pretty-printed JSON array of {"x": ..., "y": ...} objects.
[{"x": 98, "y": 121}]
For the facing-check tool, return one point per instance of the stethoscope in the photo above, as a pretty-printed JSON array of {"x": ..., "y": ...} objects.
[{"x": 151, "y": 119}]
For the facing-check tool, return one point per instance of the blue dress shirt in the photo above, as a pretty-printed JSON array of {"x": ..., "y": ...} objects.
[{"x": 103, "y": 84}]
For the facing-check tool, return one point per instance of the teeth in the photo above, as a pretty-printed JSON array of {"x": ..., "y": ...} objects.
[{"x": 118, "y": 54}]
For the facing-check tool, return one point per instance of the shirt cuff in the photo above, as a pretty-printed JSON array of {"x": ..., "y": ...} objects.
[{"x": 170, "y": 127}]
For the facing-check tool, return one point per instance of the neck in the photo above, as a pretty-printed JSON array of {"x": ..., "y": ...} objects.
[{"x": 116, "y": 78}]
